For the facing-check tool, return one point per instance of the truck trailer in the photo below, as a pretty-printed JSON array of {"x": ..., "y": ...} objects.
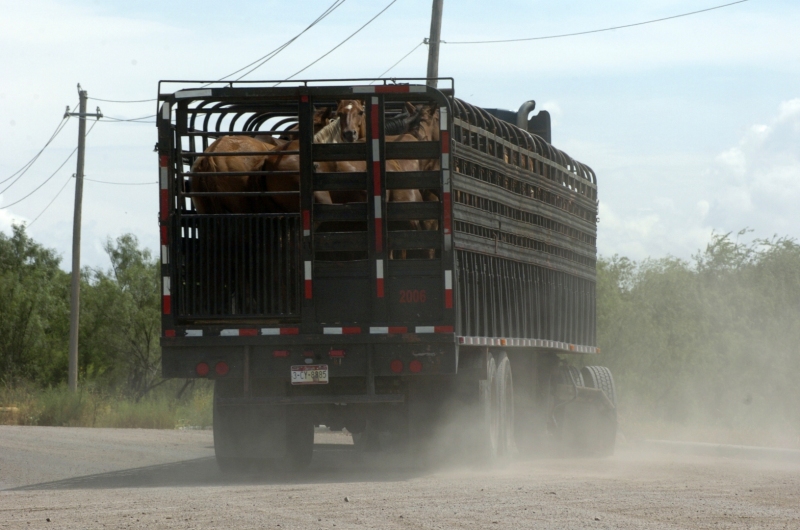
[{"x": 414, "y": 287}]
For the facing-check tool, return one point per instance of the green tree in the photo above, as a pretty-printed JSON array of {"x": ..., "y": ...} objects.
[{"x": 33, "y": 311}]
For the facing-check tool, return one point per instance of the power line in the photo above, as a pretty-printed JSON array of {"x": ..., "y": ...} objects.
[
  {"x": 28, "y": 165},
  {"x": 261, "y": 61},
  {"x": 596, "y": 30},
  {"x": 345, "y": 40},
  {"x": 48, "y": 178},
  {"x": 52, "y": 201},
  {"x": 268, "y": 57},
  {"x": 112, "y": 118},
  {"x": 401, "y": 59},
  {"x": 122, "y": 183},
  {"x": 123, "y": 100}
]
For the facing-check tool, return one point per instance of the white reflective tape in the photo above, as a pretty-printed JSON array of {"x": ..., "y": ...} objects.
[
  {"x": 194, "y": 332},
  {"x": 306, "y": 233},
  {"x": 445, "y": 161},
  {"x": 424, "y": 329},
  {"x": 164, "y": 254},
  {"x": 331, "y": 331},
  {"x": 270, "y": 331},
  {"x": 448, "y": 242},
  {"x": 308, "y": 270},
  {"x": 165, "y": 283},
  {"x": 448, "y": 280},
  {"x": 379, "y": 331},
  {"x": 165, "y": 110},
  {"x": 443, "y": 118},
  {"x": 363, "y": 89},
  {"x": 374, "y": 101},
  {"x": 379, "y": 265},
  {"x": 181, "y": 94},
  {"x": 376, "y": 150},
  {"x": 229, "y": 333},
  {"x": 417, "y": 88},
  {"x": 164, "y": 178},
  {"x": 446, "y": 181},
  {"x": 378, "y": 213}
]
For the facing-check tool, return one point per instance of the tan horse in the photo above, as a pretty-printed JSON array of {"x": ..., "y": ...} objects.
[
  {"x": 353, "y": 123},
  {"x": 228, "y": 183}
]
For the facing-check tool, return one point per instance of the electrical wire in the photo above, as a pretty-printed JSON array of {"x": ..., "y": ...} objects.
[
  {"x": 48, "y": 178},
  {"x": 401, "y": 59},
  {"x": 122, "y": 183},
  {"x": 28, "y": 165},
  {"x": 112, "y": 118},
  {"x": 123, "y": 100},
  {"x": 596, "y": 30},
  {"x": 268, "y": 57},
  {"x": 51, "y": 202},
  {"x": 341, "y": 43}
]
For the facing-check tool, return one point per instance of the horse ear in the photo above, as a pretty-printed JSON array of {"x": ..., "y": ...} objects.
[{"x": 410, "y": 108}]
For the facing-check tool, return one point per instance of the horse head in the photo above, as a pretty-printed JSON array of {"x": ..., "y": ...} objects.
[
  {"x": 351, "y": 118},
  {"x": 428, "y": 130}
]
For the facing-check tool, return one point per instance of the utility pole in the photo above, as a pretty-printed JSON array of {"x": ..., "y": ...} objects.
[
  {"x": 75, "y": 292},
  {"x": 433, "y": 43}
]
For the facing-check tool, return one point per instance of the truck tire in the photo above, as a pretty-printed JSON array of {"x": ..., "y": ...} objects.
[
  {"x": 506, "y": 445},
  {"x": 483, "y": 432},
  {"x": 604, "y": 422},
  {"x": 299, "y": 439},
  {"x": 228, "y": 428},
  {"x": 600, "y": 377}
]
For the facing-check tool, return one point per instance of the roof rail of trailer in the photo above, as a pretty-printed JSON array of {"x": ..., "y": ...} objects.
[
  {"x": 478, "y": 117},
  {"x": 185, "y": 83}
]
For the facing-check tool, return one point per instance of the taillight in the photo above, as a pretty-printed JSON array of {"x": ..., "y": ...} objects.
[
  {"x": 280, "y": 353},
  {"x": 221, "y": 368},
  {"x": 336, "y": 354},
  {"x": 201, "y": 369},
  {"x": 415, "y": 366},
  {"x": 396, "y": 366}
]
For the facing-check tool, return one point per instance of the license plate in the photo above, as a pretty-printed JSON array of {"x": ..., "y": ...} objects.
[{"x": 310, "y": 374}]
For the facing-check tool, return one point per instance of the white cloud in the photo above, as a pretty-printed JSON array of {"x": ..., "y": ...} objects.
[{"x": 653, "y": 207}]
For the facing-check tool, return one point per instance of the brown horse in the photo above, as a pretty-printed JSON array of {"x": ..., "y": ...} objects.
[
  {"x": 353, "y": 123},
  {"x": 228, "y": 183}
]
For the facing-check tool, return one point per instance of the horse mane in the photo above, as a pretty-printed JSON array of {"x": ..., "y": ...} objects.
[{"x": 330, "y": 134}]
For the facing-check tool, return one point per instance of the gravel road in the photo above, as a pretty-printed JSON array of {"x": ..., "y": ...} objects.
[{"x": 108, "y": 478}]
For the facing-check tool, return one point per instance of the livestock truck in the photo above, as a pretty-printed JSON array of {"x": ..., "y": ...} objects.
[{"x": 458, "y": 318}]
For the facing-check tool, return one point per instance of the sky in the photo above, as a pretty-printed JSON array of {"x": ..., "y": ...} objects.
[{"x": 692, "y": 125}]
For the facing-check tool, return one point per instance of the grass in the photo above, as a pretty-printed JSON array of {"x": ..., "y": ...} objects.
[{"x": 89, "y": 407}]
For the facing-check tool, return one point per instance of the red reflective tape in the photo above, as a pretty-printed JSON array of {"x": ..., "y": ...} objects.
[
  {"x": 376, "y": 178},
  {"x": 351, "y": 331},
  {"x": 443, "y": 329},
  {"x": 248, "y": 332},
  {"x": 378, "y": 234},
  {"x": 290, "y": 331},
  {"x": 167, "y": 304},
  {"x": 380, "y": 287},
  {"x": 398, "y": 329},
  {"x": 448, "y": 298},
  {"x": 446, "y": 201},
  {"x": 169, "y": 332},
  {"x": 308, "y": 289},
  {"x": 374, "y": 120},
  {"x": 164, "y": 238},
  {"x": 304, "y": 99},
  {"x": 164, "y": 204},
  {"x": 445, "y": 139},
  {"x": 163, "y": 161},
  {"x": 306, "y": 220},
  {"x": 389, "y": 89}
]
